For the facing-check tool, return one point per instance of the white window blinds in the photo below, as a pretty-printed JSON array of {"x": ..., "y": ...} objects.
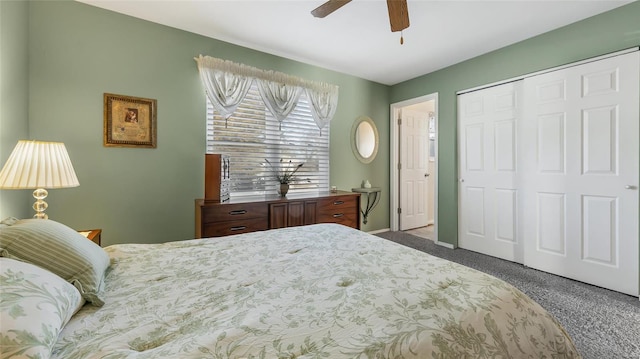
[{"x": 252, "y": 134}]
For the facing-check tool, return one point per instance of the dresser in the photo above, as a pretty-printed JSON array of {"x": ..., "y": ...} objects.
[{"x": 258, "y": 213}]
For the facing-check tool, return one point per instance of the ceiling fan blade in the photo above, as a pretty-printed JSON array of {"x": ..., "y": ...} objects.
[
  {"x": 398, "y": 14},
  {"x": 328, "y": 7}
]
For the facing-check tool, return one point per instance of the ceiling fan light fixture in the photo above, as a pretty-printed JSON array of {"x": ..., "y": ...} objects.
[
  {"x": 398, "y": 12},
  {"x": 328, "y": 7}
]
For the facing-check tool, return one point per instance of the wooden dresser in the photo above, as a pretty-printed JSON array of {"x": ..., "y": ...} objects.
[{"x": 250, "y": 214}]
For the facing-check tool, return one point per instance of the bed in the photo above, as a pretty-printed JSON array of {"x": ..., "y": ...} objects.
[{"x": 319, "y": 291}]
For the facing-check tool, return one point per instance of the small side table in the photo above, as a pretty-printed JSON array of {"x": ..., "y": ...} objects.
[
  {"x": 373, "y": 197},
  {"x": 93, "y": 235}
]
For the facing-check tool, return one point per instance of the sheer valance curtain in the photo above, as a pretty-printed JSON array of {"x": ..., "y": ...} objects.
[{"x": 227, "y": 83}]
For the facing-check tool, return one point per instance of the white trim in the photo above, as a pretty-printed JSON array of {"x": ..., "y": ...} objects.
[
  {"x": 522, "y": 77},
  {"x": 445, "y": 244},
  {"x": 379, "y": 231},
  {"x": 393, "y": 160}
]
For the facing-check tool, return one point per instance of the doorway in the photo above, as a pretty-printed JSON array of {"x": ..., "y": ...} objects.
[{"x": 413, "y": 161}]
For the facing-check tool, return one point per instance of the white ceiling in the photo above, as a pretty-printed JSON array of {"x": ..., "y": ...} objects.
[{"x": 357, "y": 39}]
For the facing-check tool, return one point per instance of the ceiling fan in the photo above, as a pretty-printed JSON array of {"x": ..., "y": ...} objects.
[{"x": 398, "y": 12}]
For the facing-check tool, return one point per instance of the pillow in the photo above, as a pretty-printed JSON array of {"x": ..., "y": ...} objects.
[
  {"x": 59, "y": 249},
  {"x": 8, "y": 221},
  {"x": 35, "y": 306}
]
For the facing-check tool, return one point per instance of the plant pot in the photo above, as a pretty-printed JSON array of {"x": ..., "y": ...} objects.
[{"x": 284, "y": 188}]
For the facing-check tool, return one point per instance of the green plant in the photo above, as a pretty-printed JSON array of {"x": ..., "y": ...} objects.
[{"x": 285, "y": 171}]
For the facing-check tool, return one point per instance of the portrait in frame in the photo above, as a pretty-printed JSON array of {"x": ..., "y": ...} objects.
[{"x": 129, "y": 121}]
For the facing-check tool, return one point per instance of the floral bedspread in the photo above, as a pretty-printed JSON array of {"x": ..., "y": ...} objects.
[{"x": 320, "y": 291}]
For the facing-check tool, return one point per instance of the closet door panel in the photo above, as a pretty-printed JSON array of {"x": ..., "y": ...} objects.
[
  {"x": 488, "y": 169},
  {"x": 505, "y": 144},
  {"x": 551, "y": 224},
  {"x": 475, "y": 142},
  {"x": 600, "y": 137},
  {"x": 580, "y": 172},
  {"x": 600, "y": 242},
  {"x": 551, "y": 143},
  {"x": 506, "y": 209},
  {"x": 475, "y": 212}
]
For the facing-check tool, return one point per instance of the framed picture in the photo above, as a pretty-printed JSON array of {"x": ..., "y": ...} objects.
[{"x": 129, "y": 121}]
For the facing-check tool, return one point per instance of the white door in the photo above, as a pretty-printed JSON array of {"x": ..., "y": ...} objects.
[
  {"x": 579, "y": 170},
  {"x": 488, "y": 190},
  {"x": 414, "y": 176}
]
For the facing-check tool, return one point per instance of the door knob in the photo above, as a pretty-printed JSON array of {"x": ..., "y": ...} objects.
[
  {"x": 629, "y": 187},
  {"x": 461, "y": 179},
  {"x": 426, "y": 175}
]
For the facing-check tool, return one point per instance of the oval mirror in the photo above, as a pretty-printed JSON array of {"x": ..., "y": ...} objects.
[{"x": 364, "y": 139}]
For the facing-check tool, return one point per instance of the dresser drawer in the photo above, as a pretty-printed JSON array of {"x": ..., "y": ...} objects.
[
  {"x": 347, "y": 218},
  {"x": 337, "y": 204},
  {"x": 233, "y": 212},
  {"x": 225, "y": 228},
  {"x": 339, "y": 209}
]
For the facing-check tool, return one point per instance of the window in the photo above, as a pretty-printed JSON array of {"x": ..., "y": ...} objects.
[{"x": 252, "y": 135}]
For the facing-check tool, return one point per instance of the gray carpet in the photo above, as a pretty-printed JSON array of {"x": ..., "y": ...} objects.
[{"x": 603, "y": 324}]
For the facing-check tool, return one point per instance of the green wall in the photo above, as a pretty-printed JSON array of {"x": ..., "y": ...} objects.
[
  {"x": 59, "y": 57},
  {"x": 608, "y": 32},
  {"x": 13, "y": 97},
  {"x": 78, "y": 52}
]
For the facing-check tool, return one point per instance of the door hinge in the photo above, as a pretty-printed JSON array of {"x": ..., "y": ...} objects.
[
  {"x": 399, "y": 166},
  {"x": 399, "y": 210},
  {"x": 399, "y": 121}
]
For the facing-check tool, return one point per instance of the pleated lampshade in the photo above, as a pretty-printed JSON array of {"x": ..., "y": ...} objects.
[{"x": 37, "y": 164}]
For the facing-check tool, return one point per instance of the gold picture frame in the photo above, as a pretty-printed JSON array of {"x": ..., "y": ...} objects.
[{"x": 129, "y": 121}]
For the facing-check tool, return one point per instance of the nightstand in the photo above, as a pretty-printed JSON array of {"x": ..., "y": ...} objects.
[{"x": 93, "y": 235}]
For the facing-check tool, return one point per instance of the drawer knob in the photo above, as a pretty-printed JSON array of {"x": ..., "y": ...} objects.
[
  {"x": 237, "y": 228},
  {"x": 338, "y": 215},
  {"x": 338, "y": 202},
  {"x": 238, "y": 211}
]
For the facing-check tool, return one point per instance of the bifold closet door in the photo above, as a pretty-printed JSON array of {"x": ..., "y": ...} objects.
[
  {"x": 579, "y": 180},
  {"x": 488, "y": 171}
]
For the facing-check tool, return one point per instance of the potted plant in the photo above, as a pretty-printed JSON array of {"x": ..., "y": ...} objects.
[{"x": 284, "y": 174}]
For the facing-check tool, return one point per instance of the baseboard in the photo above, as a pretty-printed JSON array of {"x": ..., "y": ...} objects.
[
  {"x": 379, "y": 231},
  {"x": 445, "y": 244}
]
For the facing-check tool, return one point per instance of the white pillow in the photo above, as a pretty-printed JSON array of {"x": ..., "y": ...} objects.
[{"x": 35, "y": 305}]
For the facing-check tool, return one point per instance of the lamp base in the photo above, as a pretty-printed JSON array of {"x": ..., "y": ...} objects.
[{"x": 40, "y": 205}]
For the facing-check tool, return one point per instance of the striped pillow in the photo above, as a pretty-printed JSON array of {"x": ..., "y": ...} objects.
[{"x": 59, "y": 249}]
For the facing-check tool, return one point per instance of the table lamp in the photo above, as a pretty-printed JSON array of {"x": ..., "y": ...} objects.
[{"x": 38, "y": 165}]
